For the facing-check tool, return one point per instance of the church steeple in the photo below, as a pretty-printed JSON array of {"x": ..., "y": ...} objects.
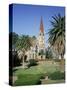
[
  {"x": 41, "y": 38},
  {"x": 41, "y": 26}
]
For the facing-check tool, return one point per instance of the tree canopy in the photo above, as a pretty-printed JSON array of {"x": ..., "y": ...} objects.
[{"x": 22, "y": 41}]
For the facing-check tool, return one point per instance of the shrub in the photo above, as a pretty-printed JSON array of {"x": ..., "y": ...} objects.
[
  {"x": 32, "y": 62},
  {"x": 42, "y": 77},
  {"x": 57, "y": 75}
]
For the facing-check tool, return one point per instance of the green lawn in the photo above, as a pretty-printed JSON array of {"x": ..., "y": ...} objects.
[
  {"x": 30, "y": 79},
  {"x": 31, "y": 76}
]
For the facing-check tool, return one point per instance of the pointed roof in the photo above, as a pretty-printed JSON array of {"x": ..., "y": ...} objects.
[{"x": 41, "y": 26}]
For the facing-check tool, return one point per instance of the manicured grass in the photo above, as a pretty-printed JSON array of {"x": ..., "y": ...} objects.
[
  {"x": 32, "y": 75},
  {"x": 43, "y": 67}
]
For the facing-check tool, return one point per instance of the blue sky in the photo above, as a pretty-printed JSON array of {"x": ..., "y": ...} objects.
[{"x": 26, "y": 18}]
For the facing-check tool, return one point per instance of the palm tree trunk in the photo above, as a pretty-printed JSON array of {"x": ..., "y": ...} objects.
[
  {"x": 62, "y": 56},
  {"x": 23, "y": 64},
  {"x": 59, "y": 56}
]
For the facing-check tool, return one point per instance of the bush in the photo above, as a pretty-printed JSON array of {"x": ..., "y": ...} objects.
[
  {"x": 57, "y": 75},
  {"x": 42, "y": 77},
  {"x": 32, "y": 62}
]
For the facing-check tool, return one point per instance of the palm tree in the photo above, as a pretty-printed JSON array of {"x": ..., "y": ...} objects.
[
  {"x": 23, "y": 44},
  {"x": 57, "y": 34}
]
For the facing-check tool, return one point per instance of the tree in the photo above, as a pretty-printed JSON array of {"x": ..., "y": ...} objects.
[
  {"x": 13, "y": 38},
  {"x": 49, "y": 53},
  {"x": 23, "y": 42},
  {"x": 57, "y": 34}
]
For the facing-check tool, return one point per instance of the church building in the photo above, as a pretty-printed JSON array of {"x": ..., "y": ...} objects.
[{"x": 37, "y": 51}]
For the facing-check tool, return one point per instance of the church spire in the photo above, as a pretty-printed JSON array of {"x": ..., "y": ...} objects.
[{"x": 41, "y": 26}]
